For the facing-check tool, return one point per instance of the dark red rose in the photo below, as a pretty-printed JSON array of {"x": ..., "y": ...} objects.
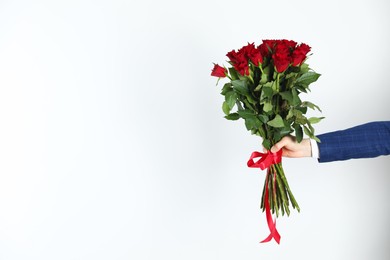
[
  {"x": 281, "y": 62},
  {"x": 242, "y": 68},
  {"x": 218, "y": 71},
  {"x": 299, "y": 54},
  {"x": 288, "y": 43},
  {"x": 304, "y": 48},
  {"x": 239, "y": 61},
  {"x": 253, "y": 54},
  {"x": 281, "y": 56},
  {"x": 267, "y": 47},
  {"x": 232, "y": 55}
]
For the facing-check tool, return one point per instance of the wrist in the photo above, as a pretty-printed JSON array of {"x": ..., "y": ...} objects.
[{"x": 306, "y": 145}]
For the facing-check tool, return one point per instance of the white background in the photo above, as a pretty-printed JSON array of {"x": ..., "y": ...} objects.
[{"x": 113, "y": 143}]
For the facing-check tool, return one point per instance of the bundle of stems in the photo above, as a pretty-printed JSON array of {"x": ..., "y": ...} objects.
[{"x": 280, "y": 194}]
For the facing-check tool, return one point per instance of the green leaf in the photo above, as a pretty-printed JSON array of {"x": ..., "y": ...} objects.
[
  {"x": 301, "y": 119},
  {"x": 290, "y": 75},
  {"x": 267, "y": 107},
  {"x": 241, "y": 87},
  {"x": 239, "y": 105},
  {"x": 307, "y": 78},
  {"x": 258, "y": 87},
  {"x": 301, "y": 88},
  {"x": 225, "y": 108},
  {"x": 310, "y": 132},
  {"x": 276, "y": 122},
  {"x": 310, "y": 105},
  {"x": 264, "y": 78},
  {"x": 290, "y": 114},
  {"x": 267, "y": 70},
  {"x": 233, "y": 73},
  {"x": 304, "y": 68},
  {"x": 260, "y": 132},
  {"x": 307, "y": 131},
  {"x": 226, "y": 88},
  {"x": 267, "y": 144},
  {"x": 295, "y": 98},
  {"x": 247, "y": 104},
  {"x": 285, "y": 131},
  {"x": 269, "y": 84},
  {"x": 242, "y": 77},
  {"x": 263, "y": 118},
  {"x": 287, "y": 95},
  {"x": 281, "y": 132},
  {"x": 300, "y": 110},
  {"x": 294, "y": 112},
  {"x": 310, "y": 127},
  {"x": 277, "y": 136},
  {"x": 266, "y": 93},
  {"x": 276, "y": 85},
  {"x": 247, "y": 113},
  {"x": 231, "y": 98},
  {"x": 232, "y": 116},
  {"x": 298, "y": 132},
  {"x": 315, "y": 120},
  {"x": 252, "y": 123}
]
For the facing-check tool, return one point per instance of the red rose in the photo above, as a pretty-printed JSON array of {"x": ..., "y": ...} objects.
[
  {"x": 288, "y": 43},
  {"x": 281, "y": 56},
  {"x": 242, "y": 68},
  {"x": 267, "y": 47},
  {"x": 304, "y": 48},
  {"x": 239, "y": 61},
  {"x": 281, "y": 62},
  {"x": 218, "y": 71},
  {"x": 232, "y": 55},
  {"x": 299, "y": 54},
  {"x": 253, "y": 54}
]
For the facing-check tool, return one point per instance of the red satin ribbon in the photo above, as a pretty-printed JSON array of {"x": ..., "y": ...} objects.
[{"x": 265, "y": 161}]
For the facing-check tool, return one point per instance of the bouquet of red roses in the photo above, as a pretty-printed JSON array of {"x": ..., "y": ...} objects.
[{"x": 264, "y": 88}]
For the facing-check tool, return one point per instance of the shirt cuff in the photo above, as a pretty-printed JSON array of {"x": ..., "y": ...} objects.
[{"x": 315, "y": 153}]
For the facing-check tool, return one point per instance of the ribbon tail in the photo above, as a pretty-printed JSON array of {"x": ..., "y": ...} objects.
[
  {"x": 271, "y": 224},
  {"x": 274, "y": 234}
]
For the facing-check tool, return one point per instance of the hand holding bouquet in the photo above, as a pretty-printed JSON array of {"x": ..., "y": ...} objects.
[{"x": 264, "y": 85}]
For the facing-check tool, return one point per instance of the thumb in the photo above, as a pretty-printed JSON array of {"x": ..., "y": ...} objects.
[{"x": 276, "y": 148}]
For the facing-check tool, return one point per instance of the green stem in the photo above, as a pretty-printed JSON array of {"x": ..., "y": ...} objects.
[
  {"x": 270, "y": 191},
  {"x": 274, "y": 198},
  {"x": 282, "y": 190},
  {"x": 262, "y": 204},
  {"x": 251, "y": 78},
  {"x": 283, "y": 177},
  {"x": 261, "y": 68},
  {"x": 280, "y": 200}
]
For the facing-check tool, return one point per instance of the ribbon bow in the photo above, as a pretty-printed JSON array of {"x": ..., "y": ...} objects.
[{"x": 265, "y": 161}]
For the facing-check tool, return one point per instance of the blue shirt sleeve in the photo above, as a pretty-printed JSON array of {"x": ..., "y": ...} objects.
[{"x": 363, "y": 141}]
